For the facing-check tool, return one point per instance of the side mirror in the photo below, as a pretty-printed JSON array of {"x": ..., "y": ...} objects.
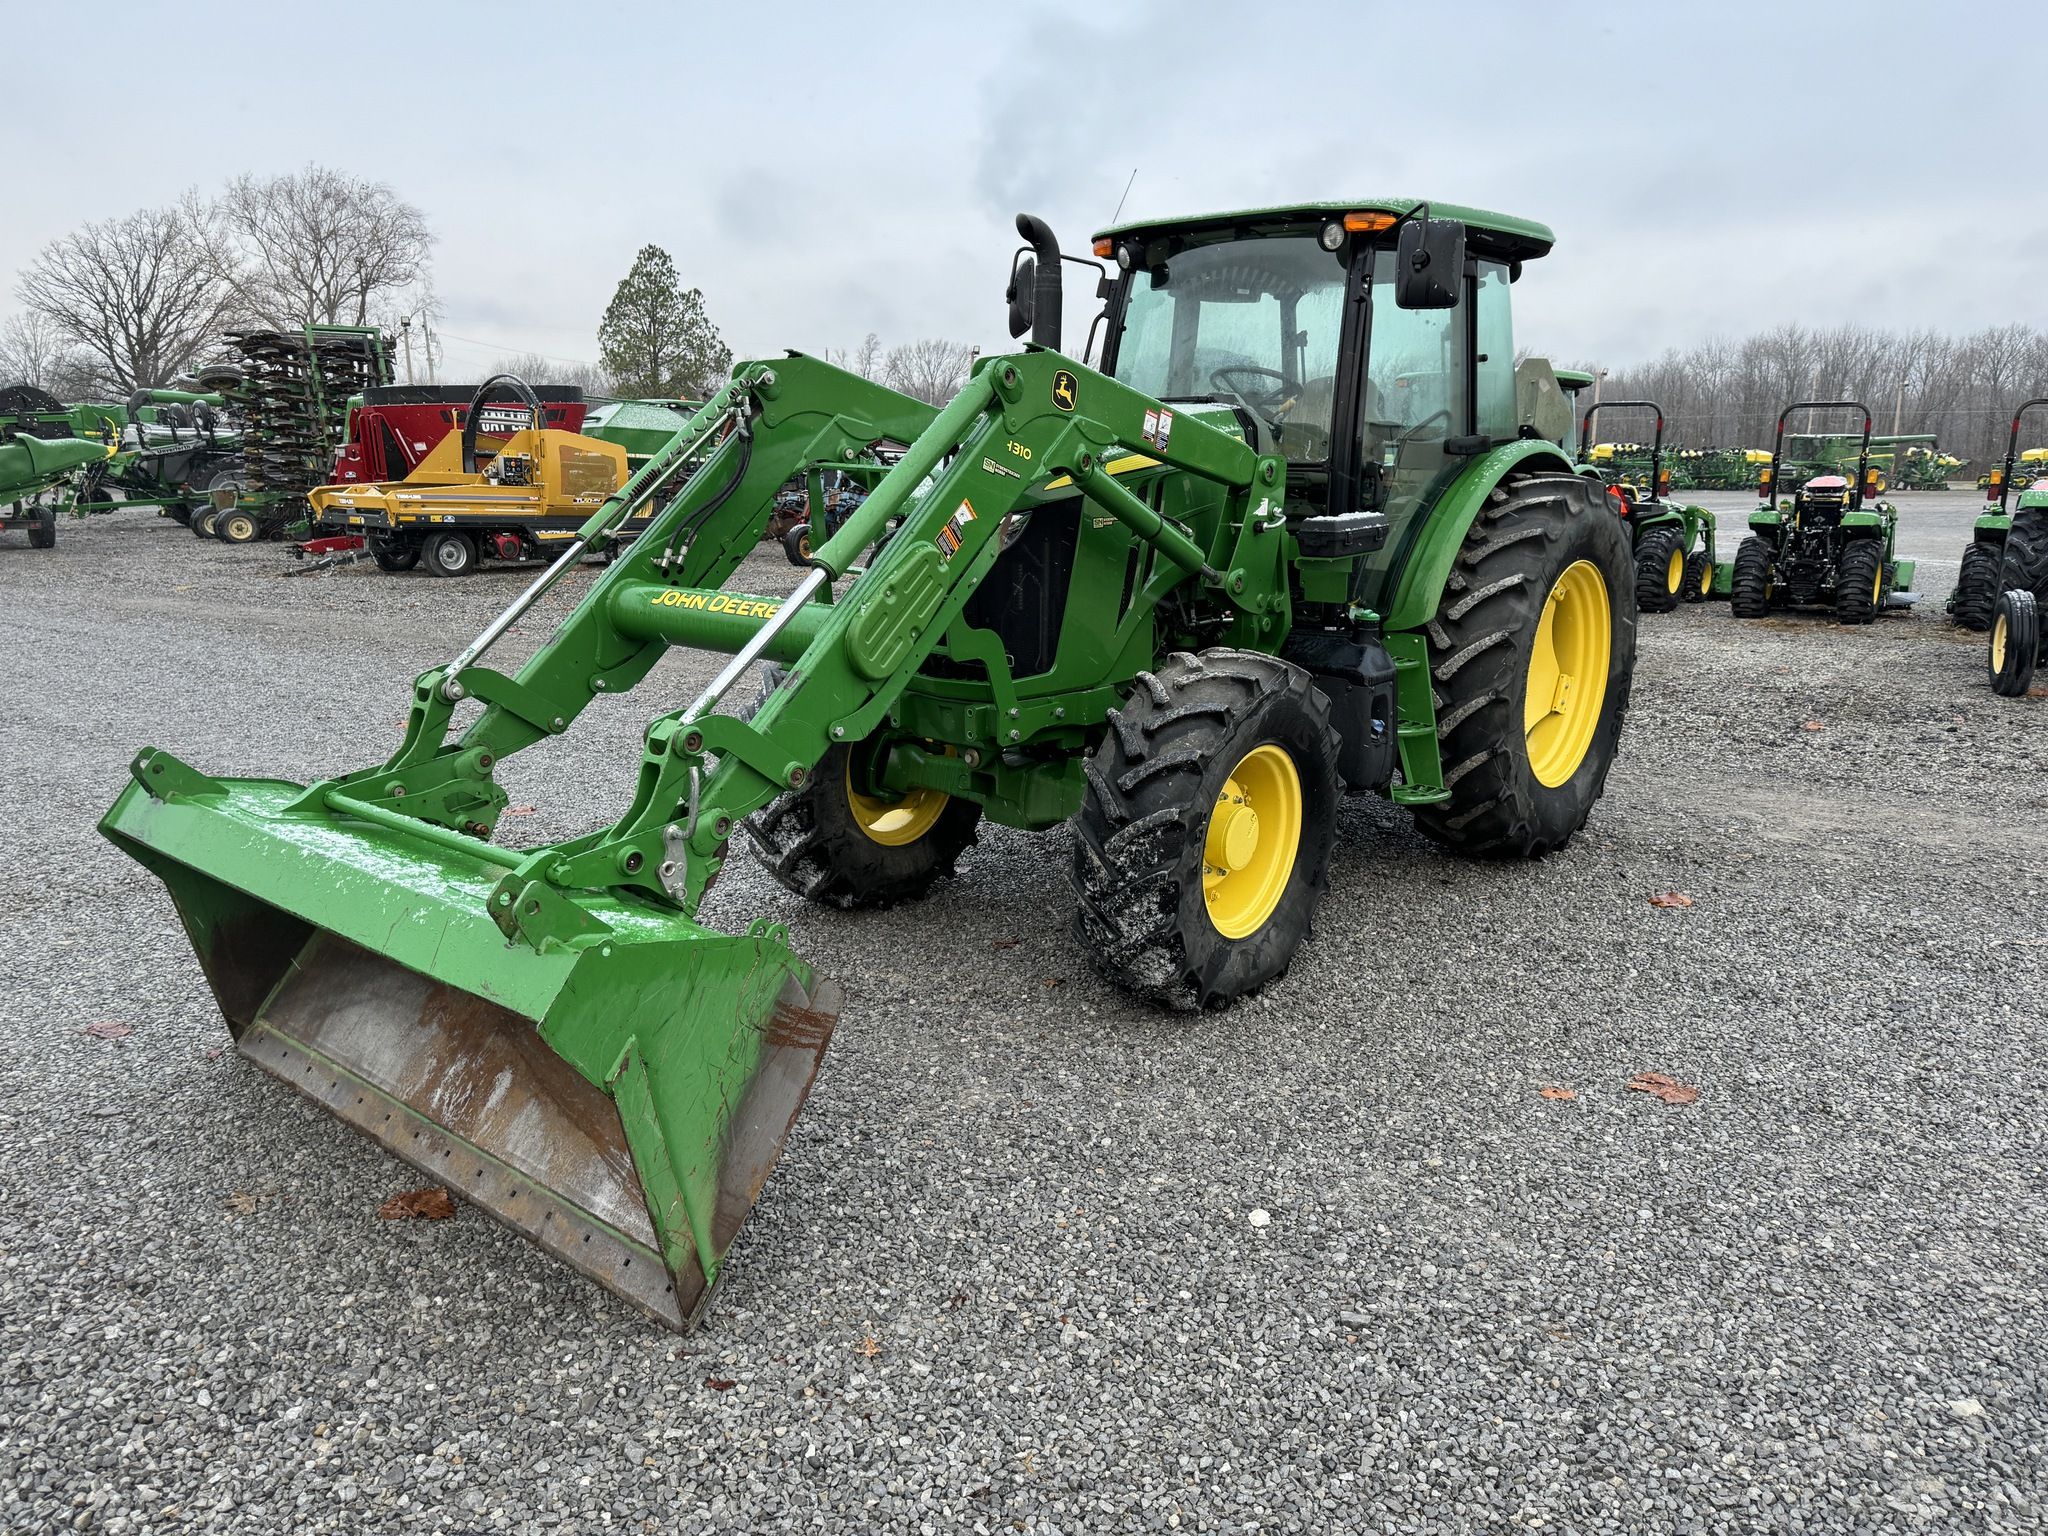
[
  {"x": 1022, "y": 295},
  {"x": 1429, "y": 264}
]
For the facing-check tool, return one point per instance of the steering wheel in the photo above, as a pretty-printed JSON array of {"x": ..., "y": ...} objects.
[{"x": 1220, "y": 377}]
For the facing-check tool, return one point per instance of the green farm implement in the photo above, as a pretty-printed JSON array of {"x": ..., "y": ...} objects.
[
  {"x": 1831, "y": 543},
  {"x": 1673, "y": 542},
  {"x": 291, "y": 391},
  {"x": 2008, "y": 545},
  {"x": 39, "y": 456},
  {"x": 1294, "y": 537}
]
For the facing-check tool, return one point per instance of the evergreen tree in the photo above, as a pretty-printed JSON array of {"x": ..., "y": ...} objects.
[{"x": 655, "y": 339}]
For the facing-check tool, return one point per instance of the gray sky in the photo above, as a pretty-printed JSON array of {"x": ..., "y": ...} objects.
[{"x": 825, "y": 170}]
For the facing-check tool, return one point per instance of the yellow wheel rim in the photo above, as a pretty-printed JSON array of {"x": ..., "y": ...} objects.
[
  {"x": 895, "y": 823},
  {"x": 1707, "y": 579},
  {"x": 1877, "y": 587},
  {"x": 1254, "y": 834},
  {"x": 1567, "y": 680},
  {"x": 1674, "y": 572},
  {"x": 1998, "y": 644}
]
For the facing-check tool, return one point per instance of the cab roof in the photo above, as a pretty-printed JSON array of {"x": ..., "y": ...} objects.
[{"x": 1493, "y": 234}]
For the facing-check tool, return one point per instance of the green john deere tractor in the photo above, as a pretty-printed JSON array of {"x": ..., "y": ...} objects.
[
  {"x": 1830, "y": 544},
  {"x": 2011, "y": 531},
  {"x": 1673, "y": 541},
  {"x": 1292, "y": 538}
]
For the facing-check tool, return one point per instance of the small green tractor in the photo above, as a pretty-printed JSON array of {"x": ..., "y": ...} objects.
[
  {"x": 1831, "y": 543},
  {"x": 1673, "y": 542},
  {"x": 2012, "y": 530},
  {"x": 1295, "y": 537}
]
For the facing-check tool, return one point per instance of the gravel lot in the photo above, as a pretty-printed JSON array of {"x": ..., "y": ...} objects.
[{"x": 1038, "y": 1259}]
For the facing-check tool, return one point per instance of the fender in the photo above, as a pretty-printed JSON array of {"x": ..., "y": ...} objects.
[{"x": 1419, "y": 581}]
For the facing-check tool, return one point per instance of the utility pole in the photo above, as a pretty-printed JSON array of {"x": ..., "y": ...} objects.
[
  {"x": 405, "y": 331},
  {"x": 1899, "y": 405}
]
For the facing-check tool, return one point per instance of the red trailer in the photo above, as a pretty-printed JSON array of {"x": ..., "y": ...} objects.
[{"x": 397, "y": 425}]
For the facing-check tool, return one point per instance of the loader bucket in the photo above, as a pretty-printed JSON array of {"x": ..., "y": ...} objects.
[{"x": 619, "y": 1099}]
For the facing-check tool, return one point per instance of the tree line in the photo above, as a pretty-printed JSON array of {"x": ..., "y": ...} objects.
[{"x": 1727, "y": 394}]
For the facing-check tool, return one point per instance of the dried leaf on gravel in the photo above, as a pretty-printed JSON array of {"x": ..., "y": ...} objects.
[
  {"x": 434, "y": 1204},
  {"x": 1669, "y": 1089},
  {"x": 108, "y": 1029},
  {"x": 242, "y": 1203},
  {"x": 1006, "y": 943},
  {"x": 1670, "y": 899},
  {"x": 518, "y": 810},
  {"x": 215, "y": 1052},
  {"x": 1811, "y": 725},
  {"x": 1559, "y": 1093},
  {"x": 720, "y": 1383},
  {"x": 870, "y": 1346}
]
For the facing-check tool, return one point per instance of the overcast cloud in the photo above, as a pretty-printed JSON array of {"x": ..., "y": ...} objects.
[{"x": 821, "y": 171}]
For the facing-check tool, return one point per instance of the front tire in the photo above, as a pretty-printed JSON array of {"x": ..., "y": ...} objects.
[
  {"x": 833, "y": 843},
  {"x": 1976, "y": 588},
  {"x": 1699, "y": 577},
  {"x": 1749, "y": 584},
  {"x": 449, "y": 554},
  {"x": 2015, "y": 644},
  {"x": 1859, "y": 582},
  {"x": 1531, "y": 655},
  {"x": 1660, "y": 571},
  {"x": 1202, "y": 845},
  {"x": 394, "y": 557}
]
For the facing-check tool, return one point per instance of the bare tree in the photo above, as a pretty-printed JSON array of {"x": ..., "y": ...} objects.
[
  {"x": 865, "y": 360},
  {"x": 317, "y": 247},
  {"x": 140, "y": 295},
  {"x": 930, "y": 370},
  {"x": 34, "y": 351},
  {"x": 536, "y": 369}
]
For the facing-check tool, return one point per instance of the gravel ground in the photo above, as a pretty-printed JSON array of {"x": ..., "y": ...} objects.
[{"x": 1040, "y": 1260}]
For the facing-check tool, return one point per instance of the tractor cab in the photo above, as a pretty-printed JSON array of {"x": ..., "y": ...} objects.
[{"x": 1369, "y": 343}]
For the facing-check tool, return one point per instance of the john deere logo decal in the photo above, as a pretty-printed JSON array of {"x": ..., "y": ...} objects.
[{"x": 1065, "y": 389}]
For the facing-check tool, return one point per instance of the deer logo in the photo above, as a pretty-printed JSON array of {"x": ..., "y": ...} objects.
[{"x": 1065, "y": 390}]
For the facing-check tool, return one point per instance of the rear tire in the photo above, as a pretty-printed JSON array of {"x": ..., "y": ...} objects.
[
  {"x": 449, "y": 554},
  {"x": 201, "y": 524},
  {"x": 1976, "y": 595},
  {"x": 1749, "y": 585},
  {"x": 1155, "y": 859},
  {"x": 1660, "y": 571},
  {"x": 1521, "y": 787},
  {"x": 1859, "y": 582},
  {"x": 2015, "y": 644},
  {"x": 2025, "y": 568}
]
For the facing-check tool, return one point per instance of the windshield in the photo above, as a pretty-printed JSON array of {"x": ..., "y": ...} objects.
[{"x": 1252, "y": 323}]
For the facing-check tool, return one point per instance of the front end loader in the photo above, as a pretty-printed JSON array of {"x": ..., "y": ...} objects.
[
  {"x": 1828, "y": 543},
  {"x": 2011, "y": 531},
  {"x": 1673, "y": 541},
  {"x": 1291, "y": 537}
]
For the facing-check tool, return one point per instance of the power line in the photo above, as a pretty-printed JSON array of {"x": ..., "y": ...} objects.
[{"x": 499, "y": 346}]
